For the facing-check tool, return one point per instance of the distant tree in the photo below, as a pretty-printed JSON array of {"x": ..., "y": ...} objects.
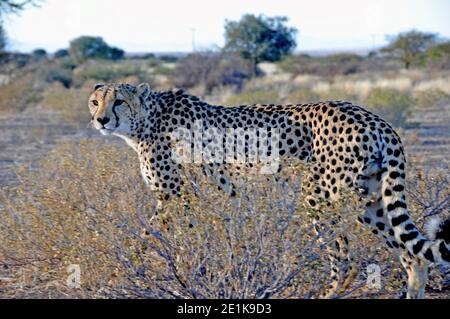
[
  {"x": 115, "y": 53},
  {"x": 87, "y": 47},
  {"x": 39, "y": 54},
  {"x": 2, "y": 38},
  {"x": 61, "y": 53},
  {"x": 11, "y": 6},
  {"x": 259, "y": 38},
  {"x": 210, "y": 70},
  {"x": 15, "y": 6},
  {"x": 438, "y": 56},
  {"x": 408, "y": 47}
]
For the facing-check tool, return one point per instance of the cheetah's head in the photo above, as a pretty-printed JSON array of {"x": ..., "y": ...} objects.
[{"x": 116, "y": 108}]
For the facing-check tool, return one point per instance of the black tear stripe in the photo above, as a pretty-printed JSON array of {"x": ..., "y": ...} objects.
[
  {"x": 409, "y": 236},
  {"x": 115, "y": 114}
]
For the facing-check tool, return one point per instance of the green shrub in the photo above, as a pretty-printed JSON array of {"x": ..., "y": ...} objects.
[
  {"x": 254, "y": 97},
  {"x": 431, "y": 97},
  {"x": 392, "y": 105}
]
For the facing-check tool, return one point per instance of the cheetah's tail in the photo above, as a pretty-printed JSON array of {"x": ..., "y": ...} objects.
[{"x": 392, "y": 175}]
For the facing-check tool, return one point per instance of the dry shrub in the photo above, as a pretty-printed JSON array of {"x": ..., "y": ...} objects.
[
  {"x": 70, "y": 103},
  {"x": 254, "y": 97},
  {"x": 86, "y": 204},
  {"x": 302, "y": 95},
  {"x": 431, "y": 97},
  {"x": 18, "y": 94},
  {"x": 390, "y": 104}
]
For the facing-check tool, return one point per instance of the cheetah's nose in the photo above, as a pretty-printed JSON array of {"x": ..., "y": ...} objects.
[{"x": 103, "y": 120}]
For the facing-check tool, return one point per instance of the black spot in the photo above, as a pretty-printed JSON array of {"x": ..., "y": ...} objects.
[
  {"x": 394, "y": 174},
  {"x": 380, "y": 212},
  {"x": 398, "y": 188},
  {"x": 418, "y": 246},
  {"x": 409, "y": 236},
  {"x": 393, "y": 163},
  {"x": 380, "y": 226},
  {"x": 444, "y": 231},
  {"x": 397, "y": 204},
  {"x": 398, "y": 220},
  {"x": 429, "y": 255},
  {"x": 444, "y": 252}
]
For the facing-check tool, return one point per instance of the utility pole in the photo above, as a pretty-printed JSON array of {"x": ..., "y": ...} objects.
[{"x": 193, "y": 39}]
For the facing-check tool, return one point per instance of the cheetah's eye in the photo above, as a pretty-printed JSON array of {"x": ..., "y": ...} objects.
[
  {"x": 95, "y": 102},
  {"x": 118, "y": 102}
]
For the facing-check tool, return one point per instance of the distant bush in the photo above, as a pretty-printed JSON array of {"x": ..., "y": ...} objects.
[
  {"x": 67, "y": 63},
  {"x": 210, "y": 70},
  {"x": 39, "y": 54},
  {"x": 18, "y": 94},
  {"x": 85, "y": 47},
  {"x": 54, "y": 73},
  {"x": 390, "y": 104},
  {"x": 61, "y": 53},
  {"x": 70, "y": 103},
  {"x": 104, "y": 71},
  {"x": 335, "y": 64},
  {"x": 254, "y": 97},
  {"x": 168, "y": 58},
  {"x": 431, "y": 97}
]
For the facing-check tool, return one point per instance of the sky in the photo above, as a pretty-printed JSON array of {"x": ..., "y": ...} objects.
[{"x": 180, "y": 26}]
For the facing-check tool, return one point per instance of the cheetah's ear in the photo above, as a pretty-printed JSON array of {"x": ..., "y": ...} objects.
[
  {"x": 98, "y": 85},
  {"x": 143, "y": 90}
]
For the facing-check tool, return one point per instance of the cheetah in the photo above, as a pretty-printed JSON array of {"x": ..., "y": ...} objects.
[{"x": 344, "y": 145}]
